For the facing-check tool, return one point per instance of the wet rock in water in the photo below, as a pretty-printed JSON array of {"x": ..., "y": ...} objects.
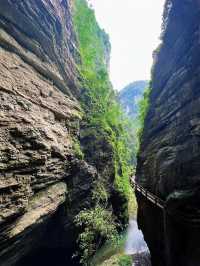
[{"x": 142, "y": 259}]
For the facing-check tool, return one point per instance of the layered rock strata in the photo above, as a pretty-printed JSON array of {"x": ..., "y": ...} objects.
[
  {"x": 42, "y": 183},
  {"x": 168, "y": 163},
  {"x": 39, "y": 116}
]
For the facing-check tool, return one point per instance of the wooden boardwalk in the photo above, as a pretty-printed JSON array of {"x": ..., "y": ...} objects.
[
  {"x": 151, "y": 197},
  {"x": 190, "y": 218},
  {"x": 172, "y": 217}
]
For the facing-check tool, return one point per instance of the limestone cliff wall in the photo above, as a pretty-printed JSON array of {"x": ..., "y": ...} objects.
[
  {"x": 38, "y": 118},
  {"x": 168, "y": 163},
  {"x": 42, "y": 183}
]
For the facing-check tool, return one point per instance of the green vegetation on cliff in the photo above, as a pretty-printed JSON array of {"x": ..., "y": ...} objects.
[
  {"x": 105, "y": 126},
  {"x": 134, "y": 100},
  {"x": 98, "y": 226},
  {"x": 143, "y": 109},
  {"x": 130, "y": 98}
]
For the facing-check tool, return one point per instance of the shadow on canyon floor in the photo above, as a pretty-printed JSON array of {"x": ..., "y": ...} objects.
[{"x": 50, "y": 257}]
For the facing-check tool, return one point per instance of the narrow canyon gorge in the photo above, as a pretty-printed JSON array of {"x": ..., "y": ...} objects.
[{"x": 66, "y": 156}]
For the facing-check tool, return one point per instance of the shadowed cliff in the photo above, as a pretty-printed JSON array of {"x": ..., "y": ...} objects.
[{"x": 168, "y": 163}]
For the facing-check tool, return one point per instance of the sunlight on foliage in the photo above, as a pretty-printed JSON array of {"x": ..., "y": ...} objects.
[
  {"x": 143, "y": 109},
  {"x": 98, "y": 227},
  {"x": 112, "y": 250},
  {"x": 77, "y": 149},
  {"x": 101, "y": 111},
  {"x": 125, "y": 261}
]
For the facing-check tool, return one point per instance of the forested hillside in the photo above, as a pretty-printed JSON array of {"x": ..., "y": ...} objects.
[
  {"x": 130, "y": 97},
  {"x": 132, "y": 102}
]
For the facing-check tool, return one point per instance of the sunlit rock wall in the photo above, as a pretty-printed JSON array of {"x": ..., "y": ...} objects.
[
  {"x": 45, "y": 180},
  {"x": 39, "y": 115}
]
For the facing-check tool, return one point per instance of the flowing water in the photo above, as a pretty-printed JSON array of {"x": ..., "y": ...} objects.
[{"x": 136, "y": 246}]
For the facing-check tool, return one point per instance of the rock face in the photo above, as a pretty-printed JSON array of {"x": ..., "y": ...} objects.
[
  {"x": 43, "y": 184},
  {"x": 130, "y": 96},
  {"x": 168, "y": 163},
  {"x": 37, "y": 120}
]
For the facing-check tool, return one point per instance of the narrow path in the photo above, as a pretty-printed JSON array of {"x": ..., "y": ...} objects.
[
  {"x": 190, "y": 217},
  {"x": 151, "y": 197}
]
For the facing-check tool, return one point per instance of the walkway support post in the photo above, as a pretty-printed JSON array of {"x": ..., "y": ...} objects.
[{"x": 166, "y": 227}]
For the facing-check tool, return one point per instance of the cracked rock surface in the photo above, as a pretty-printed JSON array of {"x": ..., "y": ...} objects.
[
  {"x": 38, "y": 109},
  {"x": 168, "y": 163}
]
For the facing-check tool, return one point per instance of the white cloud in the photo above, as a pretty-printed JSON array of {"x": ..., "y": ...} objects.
[{"x": 134, "y": 27}]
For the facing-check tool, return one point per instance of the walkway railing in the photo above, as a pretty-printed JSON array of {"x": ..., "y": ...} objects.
[
  {"x": 151, "y": 197},
  {"x": 188, "y": 219},
  {"x": 192, "y": 218}
]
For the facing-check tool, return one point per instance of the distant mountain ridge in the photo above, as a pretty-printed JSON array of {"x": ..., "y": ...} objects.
[
  {"x": 129, "y": 99},
  {"x": 130, "y": 96}
]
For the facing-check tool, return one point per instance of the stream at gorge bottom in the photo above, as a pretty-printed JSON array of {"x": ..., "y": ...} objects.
[{"x": 136, "y": 246}]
